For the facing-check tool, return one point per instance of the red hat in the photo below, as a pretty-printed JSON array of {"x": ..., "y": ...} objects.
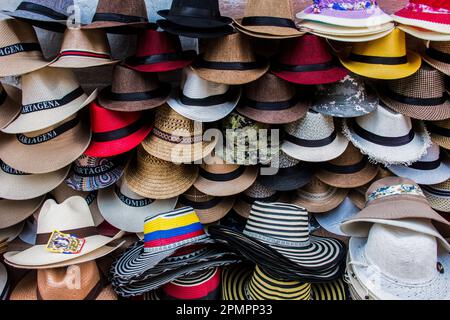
[
  {"x": 114, "y": 132},
  {"x": 307, "y": 60},
  {"x": 427, "y": 14},
  {"x": 159, "y": 52}
]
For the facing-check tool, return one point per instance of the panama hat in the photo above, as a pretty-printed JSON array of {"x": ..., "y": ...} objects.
[
  {"x": 209, "y": 209},
  {"x": 10, "y": 104},
  {"x": 426, "y": 14},
  {"x": 388, "y": 137},
  {"x": 420, "y": 96},
  {"x": 438, "y": 195},
  {"x": 154, "y": 178},
  {"x": 50, "y": 284},
  {"x": 307, "y": 60},
  {"x": 201, "y": 100},
  {"x": 313, "y": 138},
  {"x": 13, "y": 212},
  {"x": 331, "y": 221},
  {"x": 385, "y": 58},
  {"x": 83, "y": 48},
  {"x": 49, "y": 96},
  {"x": 432, "y": 168},
  {"x": 424, "y": 34},
  {"x": 134, "y": 91},
  {"x": 229, "y": 60},
  {"x": 177, "y": 139},
  {"x": 4, "y": 282},
  {"x": 347, "y": 98},
  {"x": 349, "y": 170},
  {"x": 437, "y": 54},
  {"x": 440, "y": 132},
  {"x": 355, "y": 39},
  {"x": 159, "y": 51},
  {"x": 72, "y": 216},
  {"x": 90, "y": 174},
  {"x": 189, "y": 32},
  {"x": 115, "y": 133},
  {"x": 126, "y": 210},
  {"x": 272, "y": 100}
]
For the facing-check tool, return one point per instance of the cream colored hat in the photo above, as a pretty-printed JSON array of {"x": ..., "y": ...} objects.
[{"x": 10, "y": 104}]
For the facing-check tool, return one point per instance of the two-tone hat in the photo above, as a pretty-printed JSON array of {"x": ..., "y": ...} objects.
[
  {"x": 10, "y": 104},
  {"x": 201, "y": 100},
  {"x": 437, "y": 54},
  {"x": 134, "y": 91},
  {"x": 440, "y": 132},
  {"x": 438, "y": 195},
  {"x": 14, "y": 212}
]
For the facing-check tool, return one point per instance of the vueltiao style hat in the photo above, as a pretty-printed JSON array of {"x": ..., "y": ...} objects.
[
  {"x": 440, "y": 132},
  {"x": 10, "y": 104},
  {"x": 126, "y": 210},
  {"x": 438, "y": 195},
  {"x": 331, "y": 221},
  {"x": 201, "y": 100},
  {"x": 388, "y": 137},
  {"x": 114, "y": 132},
  {"x": 437, "y": 54},
  {"x": 134, "y": 91},
  {"x": 386, "y": 58},
  {"x": 229, "y": 60},
  {"x": 13, "y": 212},
  {"x": 272, "y": 100},
  {"x": 159, "y": 51},
  {"x": 4, "y": 282},
  {"x": 421, "y": 96},
  {"x": 49, "y": 96},
  {"x": 307, "y": 60}
]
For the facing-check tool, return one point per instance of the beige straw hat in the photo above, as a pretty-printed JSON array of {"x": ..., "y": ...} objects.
[
  {"x": 49, "y": 96},
  {"x": 13, "y": 212},
  {"x": 20, "y": 51},
  {"x": 154, "y": 178},
  {"x": 9, "y": 234},
  {"x": 437, "y": 55},
  {"x": 177, "y": 139},
  {"x": 440, "y": 132},
  {"x": 438, "y": 196},
  {"x": 10, "y": 104}
]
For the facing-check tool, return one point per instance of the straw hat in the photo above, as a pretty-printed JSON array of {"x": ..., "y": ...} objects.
[
  {"x": 74, "y": 216},
  {"x": 4, "y": 282},
  {"x": 313, "y": 138},
  {"x": 10, "y": 104},
  {"x": 385, "y": 58},
  {"x": 350, "y": 170},
  {"x": 18, "y": 185},
  {"x": 438, "y": 195},
  {"x": 440, "y": 132},
  {"x": 9, "y": 234},
  {"x": 20, "y": 51},
  {"x": 424, "y": 34},
  {"x": 267, "y": 19},
  {"x": 420, "y": 96},
  {"x": 46, "y": 150},
  {"x": 330, "y": 31},
  {"x": 83, "y": 49},
  {"x": 52, "y": 284},
  {"x": 154, "y": 178},
  {"x": 134, "y": 91},
  {"x": 438, "y": 55},
  {"x": 115, "y": 133},
  {"x": 177, "y": 139},
  {"x": 317, "y": 197},
  {"x": 159, "y": 51},
  {"x": 199, "y": 33},
  {"x": 126, "y": 210},
  {"x": 13, "y": 212},
  {"x": 230, "y": 60},
  {"x": 388, "y": 137},
  {"x": 331, "y": 221},
  {"x": 49, "y": 96},
  {"x": 272, "y": 100}
]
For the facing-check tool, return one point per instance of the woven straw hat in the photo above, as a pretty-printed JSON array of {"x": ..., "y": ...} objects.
[
  {"x": 49, "y": 96},
  {"x": 438, "y": 195},
  {"x": 177, "y": 139},
  {"x": 13, "y": 212},
  {"x": 424, "y": 34},
  {"x": 420, "y": 96},
  {"x": 272, "y": 100},
  {"x": 20, "y": 51},
  {"x": 154, "y": 178},
  {"x": 440, "y": 132},
  {"x": 437, "y": 55},
  {"x": 230, "y": 60},
  {"x": 39, "y": 286},
  {"x": 83, "y": 49},
  {"x": 134, "y": 91},
  {"x": 10, "y": 104}
]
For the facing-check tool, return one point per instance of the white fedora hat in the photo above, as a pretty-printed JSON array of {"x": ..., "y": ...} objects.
[
  {"x": 202, "y": 100},
  {"x": 127, "y": 211}
]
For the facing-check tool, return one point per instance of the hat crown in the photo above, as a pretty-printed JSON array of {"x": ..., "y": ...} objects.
[
  {"x": 125, "y": 190},
  {"x": 258, "y": 190},
  {"x": 393, "y": 45},
  {"x": 306, "y": 50},
  {"x": 126, "y": 80},
  {"x": 339, "y": 5},
  {"x": 387, "y": 182},
  {"x": 130, "y": 7},
  {"x": 169, "y": 121},
  {"x": 198, "y": 88},
  {"x": 316, "y": 187},
  {"x": 314, "y": 126},
  {"x": 351, "y": 156},
  {"x": 442, "y": 46},
  {"x": 104, "y": 120},
  {"x": 269, "y": 8},
  {"x": 152, "y": 42},
  {"x": 270, "y": 88},
  {"x": 433, "y": 153},
  {"x": 286, "y": 161},
  {"x": 433, "y": 3},
  {"x": 18, "y": 32},
  {"x": 211, "y": 5},
  {"x": 219, "y": 167},
  {"x": 197, "y": 285},
  {"x": 231, "y": 48},
  {"x": 91, "y": 40},
  {"x": 195, "y": 195},
  {"x": 60, "y": 6}
]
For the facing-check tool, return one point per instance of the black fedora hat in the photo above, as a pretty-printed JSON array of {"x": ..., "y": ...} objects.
[
  {"x": 200, "y": 33},
  {"x": 196, "y": 14}
]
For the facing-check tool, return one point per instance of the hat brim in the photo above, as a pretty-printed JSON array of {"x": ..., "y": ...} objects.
[
  {"x": 354, "y": 39},
  {"x": 350, "y": 110},
  {"x": 261, "y": 31},
  {"x": 80, "y": 62},
  {"x": 94, "y": 183},
  {"x": 234, "y": 280},
  {"x": 292, "y": 114},
  {"x": 196, "y": 22},
  {"x": 430, "y": 21},
  {"x": 11, "y": 107},
  {"x": 11, "y": 233},
  {"x": 438, "y": 203},
  {"x": 441, "y": 66},
  {"x": 442, "y": 141},
  {"x": 313, "y": 77},
  {"x": 424, "y": 34},
  {"x": 332, "y": 220},
  {"x": 318, "y": 205},
  {"x": 17, "y": 66},
  {"x": 114, "y": 25},
  {"x": 357, "y": 198},
  {"x": 33, "y": 16},
  {"x": 264, "y": 35},
  {"x": 348, "y": 180},
  {"x": 199, "y": 33},
  {"x": 160, "y": 66},
  {"x": 424, "y": 177},
  {"x": 14, "y": 212},
  {"x": 342, "y": 31},
  {"x": 215, "y": 213},
  {"x": 288, "y": 182}
]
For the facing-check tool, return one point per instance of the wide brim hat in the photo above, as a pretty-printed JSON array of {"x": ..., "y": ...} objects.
[
  {"x": 424, "y": 177},
  {"x": 199, "y": 33},
  {"x": 348, "y": 180},
  {"x": 425, "y": 34},
  {"x": 14, "y": 212},
  {"x": 443, "y": 67},
  {"x": 196, "y": 22},
  {"x": 11, "y": 106},
  {"x": 318, "y": 204},
  {"x": 433, "y": 21},
  {"x": 213, "y": 214},
  {"x": 331, "y": 221}
]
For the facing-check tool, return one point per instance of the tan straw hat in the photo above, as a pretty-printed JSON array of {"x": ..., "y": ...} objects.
[
  {"x": 177, "y": 139},
  {"x": 440, "y": 132},
  {"x": 10, "y": 104},
  {"x": 438, "y": 55},
  {"x": 438, "y": 196},
  {"x": 13, "y": 212},
  {"x": 154, "y": 178}
]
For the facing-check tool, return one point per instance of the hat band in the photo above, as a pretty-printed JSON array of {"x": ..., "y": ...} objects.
[
  {"x": 438, "y": 130},
  {"x": 119, "y": 133},
  {"x": 426, "y": 165},
  {"x": 80, "y": 53},
  {"x": 88, "y": 172},
  {"x": 268, "y": 21},
  {"x": 438, "y": 55},
  {"x": 42, "y": 238},
  {"x": 45, "y": 137},
  {"x": 284, "y": 172},
  {"x": 417, "y": 101},
  {"x": 384, "y": 141},
  {"x": 230, "y": 66},
  {"x": 395, "y": 190},
  {"x": 176, "y": 139},
  {"x": 203, "y": 205},
  {"x": 42, "y": 10},
  {"x": 162, "y": 91},
  {"x": 210, "y": 101},
  {"x": 271, "y": 106},
  {"x": 436, "y": 192},
  {"x": 7, "y": 169},
  {"x": 251, "y": 200},
  {"x": 52, "y": 104},
  {"x": 193, "y": 12},
  {"x": 135, "y": 203},
  {"x": 18, "y": 48},
  {"x": 222, "y": 177},
  {"x": 158, "y": 58},
  {"x": 117, "y": 17},
  {"x": 392, "y": 61},
  {"x": 90, "y": 198},
  {"x": 355, "y": 168},
  {"x": 278, "y": 242},
  {"x": 304, "y": 68},
  {"x": 312, "y": 143},
  {"x": 3, "y": 96}
]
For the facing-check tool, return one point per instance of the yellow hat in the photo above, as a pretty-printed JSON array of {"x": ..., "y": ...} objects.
[{"x": 385, "y": 58}]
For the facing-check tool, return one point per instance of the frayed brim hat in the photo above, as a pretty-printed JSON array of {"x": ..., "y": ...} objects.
[
  {"x": 10, "y": 104},
  {"x": 13, "y": 212},
  {"x": 199, "y": 33}
]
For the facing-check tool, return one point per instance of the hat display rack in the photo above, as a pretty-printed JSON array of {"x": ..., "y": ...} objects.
[{"x": 122, "y": 182}]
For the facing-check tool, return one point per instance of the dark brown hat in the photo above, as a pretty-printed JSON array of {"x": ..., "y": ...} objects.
[
  {"x": 134, "y": 91},
  {"x": 273, "y": 100}
]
